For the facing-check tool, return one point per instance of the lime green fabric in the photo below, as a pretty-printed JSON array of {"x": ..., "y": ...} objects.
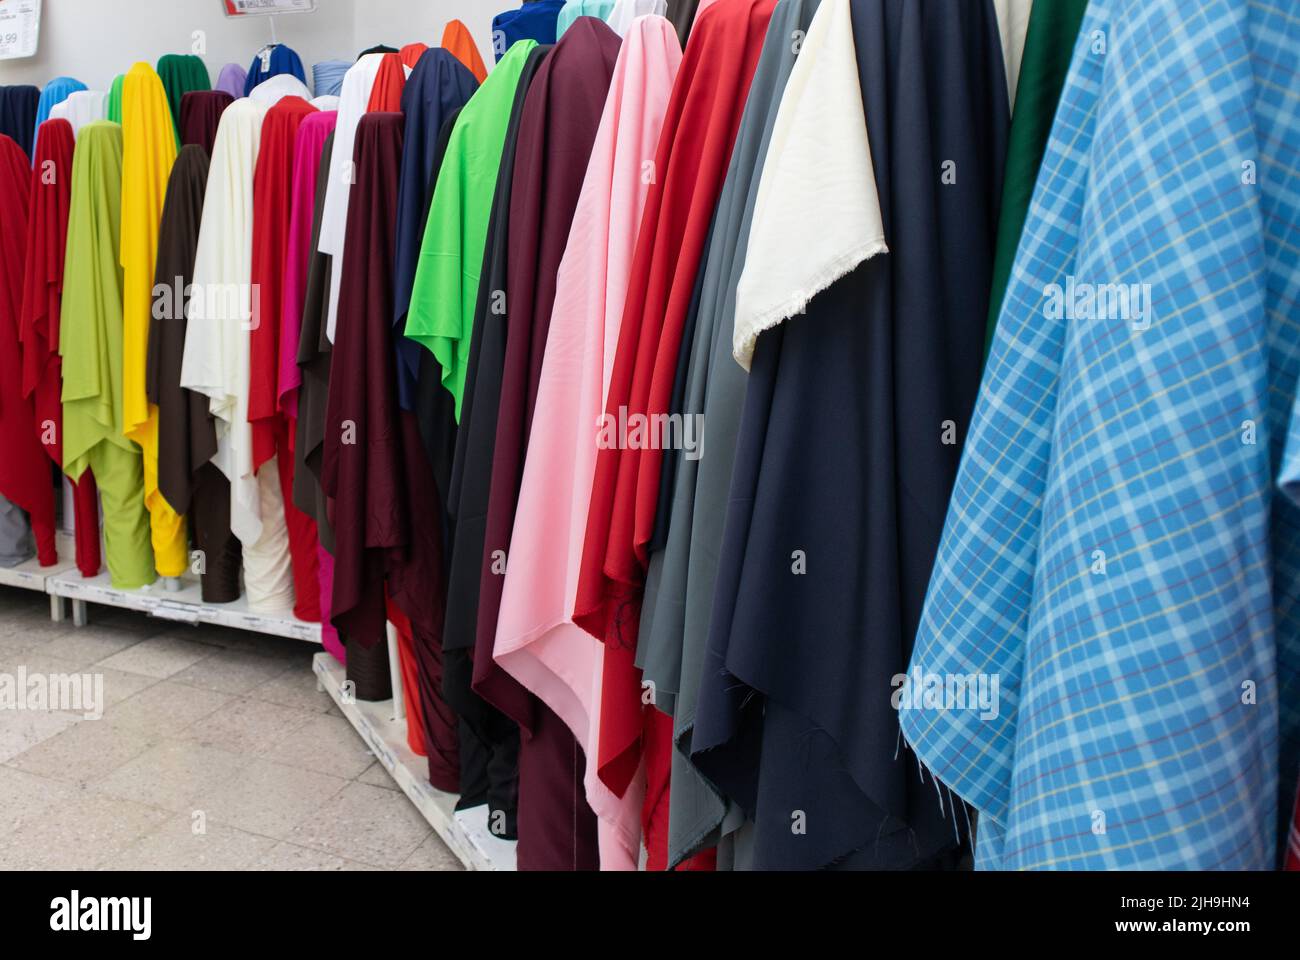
[
  {"x": 443, "y": 298},
  {"x": 90, "y": 343}
]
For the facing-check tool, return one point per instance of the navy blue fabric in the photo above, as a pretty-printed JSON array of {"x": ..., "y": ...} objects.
[{"x": 18, "y": 115}]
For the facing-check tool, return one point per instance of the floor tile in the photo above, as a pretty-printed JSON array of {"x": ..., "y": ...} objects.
[
  {"x": 176, "y": 774},
  {"x": 366, "y": 824},
  {"x": 161, "y": 657},
  {"x": 271, "y": 799},
  {"x": 176, "y": 845},
  {"x": 326, "y": 745}
]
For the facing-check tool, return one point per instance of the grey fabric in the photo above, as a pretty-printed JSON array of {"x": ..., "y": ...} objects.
[
  {"x": 683, "y": 575},
  {"x": 16, "y": 544}
]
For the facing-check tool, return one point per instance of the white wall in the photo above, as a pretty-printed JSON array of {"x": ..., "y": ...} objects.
[{"x": 95, "y": 40}]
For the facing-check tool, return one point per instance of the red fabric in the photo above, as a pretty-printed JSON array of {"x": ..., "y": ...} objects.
[
  {"x": 386, "y": 94},
  {"x": 25, "y": 477},
  {"x": 459, "y": 42},
  {"x": 272, "y": 437},
  {"x": 699, "y": 131},
  {"x": 411, "y": 54},
  {"x": 38, "y": 328},
  {"x": 410, "y": 680}
]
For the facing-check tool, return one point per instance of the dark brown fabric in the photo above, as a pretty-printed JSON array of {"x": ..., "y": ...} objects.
[{"x": 200, "y": 115}]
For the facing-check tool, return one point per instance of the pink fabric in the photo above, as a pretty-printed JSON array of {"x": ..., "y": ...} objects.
[
  {"x": 537, "y": 641},
  {"x": 312, "y": 133}
]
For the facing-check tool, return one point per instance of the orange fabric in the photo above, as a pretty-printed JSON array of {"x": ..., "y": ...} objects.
[
  {"x": 386, "y": 94},
  {"x": 457, "y": 41}
]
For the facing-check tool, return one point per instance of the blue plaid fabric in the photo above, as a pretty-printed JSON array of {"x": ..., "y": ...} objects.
[{"x": 1114, "y": 553}]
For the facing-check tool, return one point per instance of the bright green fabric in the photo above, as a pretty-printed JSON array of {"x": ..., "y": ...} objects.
[
  {"x": 113, "y": 105},
  {"x": 1049, "y": 47},
  {"x": 181, "y": 73},
  {"x": 90, "y": 343},
  {"x": 443, "y": 298}
]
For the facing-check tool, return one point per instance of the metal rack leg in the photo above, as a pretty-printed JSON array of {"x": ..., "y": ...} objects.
[
  {"x": 79, "y": 618},
  {"x": 57, "y": 610},
  {"x": 395, "y": 671}
]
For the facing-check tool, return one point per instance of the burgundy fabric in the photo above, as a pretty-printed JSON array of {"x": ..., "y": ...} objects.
[
  {"x": 25, "y": 477},
  {"x": 201, "y": 112},
  {"x": 38, "y": 327}
]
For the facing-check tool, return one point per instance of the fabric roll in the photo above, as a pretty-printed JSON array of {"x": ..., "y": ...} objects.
[
  {"x": 353, "y": 103},
  {"x": 390, "y": 80},
  {"x": 624, "y": 12},
  {"x": 148, "y": 152},
  {"x": 446, "y": 286},
  {"x": 201, "y": 115},
  {"x": 216, "y": 360},
  {"x": 671, "y": 647},
  {"x": 113, "y": 102},
  {"x": 535, "y": 20},
  {"x": 181, "y": 74},
  {"x": 90, "y": 344},
  {"x": 274, "y": 89},
  {"x": 438, "y": 86},
  {"x": 459, "y": 42},
  {"x": 327, "y": 77},
  {"x": 49, "y": 202},
  {"x": 81, "y": 107},
  {"x": 536, "y": 639},
  {"x": 18, "y": 115},
  {"x": 699, "y": 129},
  {"x": 16, "y": 545},
  {"x": 271, "y": 431},
  {"x": 24, "y": 468},
  {"x": 273, "y": 60},
  {"x": 232, "y": 79},
  {"x": 54, "y": 92},
  {"x": 187, "y": 438},
  {"x": 1049, "y": 41},
  {"x": 1126, "y": 571}
]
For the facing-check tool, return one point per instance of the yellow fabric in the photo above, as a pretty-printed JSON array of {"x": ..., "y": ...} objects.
[{"x": 148, "y": 152}]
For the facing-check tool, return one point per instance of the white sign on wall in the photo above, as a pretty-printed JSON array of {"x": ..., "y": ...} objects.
[
  {"x": 20, "y": 24},
  {"x": 258, "y": 8}
]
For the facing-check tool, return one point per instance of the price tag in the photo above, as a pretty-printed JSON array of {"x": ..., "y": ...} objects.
[
  {"x": 256, "y": 8},
  {"x": 20, "y": 22},
  {"x": 180, "y": 612}
]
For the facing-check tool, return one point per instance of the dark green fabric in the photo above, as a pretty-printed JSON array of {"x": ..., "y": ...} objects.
[
  {"x": 1049, "y": 47},
  {"x": 181, "y": 73}
]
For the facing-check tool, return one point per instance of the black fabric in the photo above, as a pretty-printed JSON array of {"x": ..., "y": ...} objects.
[
  {"x": 682, "y": 15},
  {"x": 18, "y": 105},
  {"x": 840, "y": 456}
]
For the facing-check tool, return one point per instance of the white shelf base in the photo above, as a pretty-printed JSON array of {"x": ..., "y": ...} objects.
[
  {"x": 465, "y": 833},
  {"x": 183, "y": 606}
]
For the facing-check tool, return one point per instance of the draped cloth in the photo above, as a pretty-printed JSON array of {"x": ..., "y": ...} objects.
[
  {"x": 187, "y": 437},
  {"x": 535, "y": 20},
  {"x": 81, "y": 107},
  {"x": 1112, "y": 552},
  {"x": 18, "y": 115},
  {"x": 625, "y": 12},
  {"x": 694, "y": 148},
  {"x": 679, "y": 599},
  {"x": 1049, "y": 40},
  {"x": 446, "y": 286},
  {"x": 272, "y": 60},
  {"x": 573, "y": 9},
  {"x": 201, "y": 115},
  {"x": 271, "y": 432},
  {"x": 327, "y": 77},
  {"x": 148, "y": 152},
  {"x": 90, "y": 344},
  {"x": 113, "y": 102},
  {"x": 49, "y": 202},
  {"x": 181, "y": 74},
  {"x": 24, "y": 468},
  {"x": 54, "y": 92},
  {"x": 390, "y": 80},
  {"x": 231, "y": 80},
  {"x": 410, "y": 54},
  {"x": 216, "y": 360},
  {"x": 536, "y": 640},
  {"x": 438, "y": 86},
  {"x": 459, "y": 42}
]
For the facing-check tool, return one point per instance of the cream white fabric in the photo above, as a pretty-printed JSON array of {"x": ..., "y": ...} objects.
[
  {"x": 80, "y": 108},
  {"x": 325, "y": 102},
  {"x": 817, "y": 215},
  {"x": 274, "y": 89},
  {"x": 1013, "y": 22},
  {"x": 625, "y": 11}
]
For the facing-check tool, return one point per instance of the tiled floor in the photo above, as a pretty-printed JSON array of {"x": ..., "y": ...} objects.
[{"x": 215, "y": 751}]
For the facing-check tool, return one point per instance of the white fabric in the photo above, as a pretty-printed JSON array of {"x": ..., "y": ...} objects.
[
  {"x": 80, "y": 108},
  {"x": 216, "y": 358},
  {"x": 353, "y": 100},
  {"x": 1013, "y": 22},
  {"x": 325, "y": 103},
  {"x": 625, "y": 11},
  {"x": 816, "y": 215},
  {"x": 274, "y": 89}
]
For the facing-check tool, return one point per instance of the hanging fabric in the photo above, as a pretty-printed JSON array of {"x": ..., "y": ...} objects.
[
  {"x": 271, "y": 91},
  {"x": 536, "y": 639},
  {"x": 411, "y": 54},
  {"x": 148, "y": 152},
  {"x": 18, "y": 115},
  {"x": 1112, "y": 552},
  {"x": 573, "y": 9},
  {"x": 48, "y": 205},
  {"x": 272, "y": 60},
  {"x": 55, "y": 92},
  {"x": 216, "y": 361},
  {"x": 327, "y": 77},
  {"x": 232, "y": 80},
  {"x": 90, "y": 343},
  {"x": 271, "y": 431},
  {"x": 180, "y": 74},
  {"x": 459, "y": 42},
  {"x": 80, "y": 108},
  {"x": 187, "y": 437},
  {"x": 24, "y": 468},
  {"x": 330, "y": 104},
  {"x": 535, "y": 20},
  {"x": 625, "y": 12},
  {"x": 201, "y": 115},
  {"x": 113, "y": 102},
  {"x": 386, "y": 91}
]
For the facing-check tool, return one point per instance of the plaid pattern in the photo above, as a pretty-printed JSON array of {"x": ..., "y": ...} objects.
[{"x": 1113, "y": 550}]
